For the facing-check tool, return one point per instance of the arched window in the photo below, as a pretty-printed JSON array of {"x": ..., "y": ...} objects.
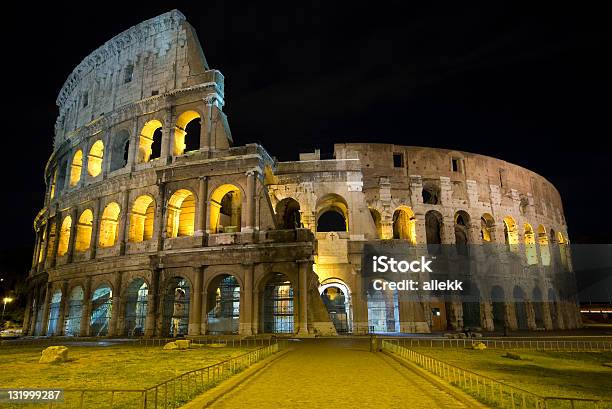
[
  {"x": 76, "y": 167},
  {"x": 530, "y": 245},
  {"x": 120, "y": 150},
  {"x": 181, "y": 214},
  {"x": 223, "y": 309},
  {"x": 404, "y": 224},
  {"x": 64, "y": 236},
  {"x": 288, "y": 214},
  {"x": 72, "y": 326},
  {"x": 511, "y": 234},
  {"x": 136, "y": 307},
  {"x": 187, "y": 133},
  {"x": 433, "y": 230},
  {"x": 462, "y": 237},
  {"x": 101, "y": 310},
  {"x": 332, "y": 213},
  {"x": 225, "y": 209},
  {"x": 278, "y": 305},
  {"x": 141, "y": 222},
  {"x": 520, "y": 307},
  {"x": 544, "y": 249},
  {"x": 149, "y": 145},
  {"x": 94, "y": 159},
  {"x": 54, "y": 308},
  {"x": 109, "y": 224},
  {"x": 83, "y": 230},
  {"x": 563, "y": 251},
  {"x": 336, "y": 297},
  {"x": 486, "y": 228}
]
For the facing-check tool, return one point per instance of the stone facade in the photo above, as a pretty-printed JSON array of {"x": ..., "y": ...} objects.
[{"x": 154, "y": 224}]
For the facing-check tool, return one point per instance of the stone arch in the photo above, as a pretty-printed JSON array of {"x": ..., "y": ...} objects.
[
  {"x": 64, "y": 236},
  {"x": 511, "y": 234},
  {"x": 101, "y": 310},
  {"x": 136, "y": 306},
  {"x": 431, "y": 192},
  {"x": 563, "y": 249},
  {"x": 177, "y": 298},
  {"x": 383, "y": 308},
  {"x": 332, "y": 213},
  {"x": 109, "y": 224},
  {"x": 120, "y": 148},
  {"x": 187, "y": 132},
  {"x": 377, "y": 219},
  {"x": 142, "y": 219},
  {"x": 83, "y": 231},
  {"x": 74, "y": 315},
  {"x": 278, "y": 301},
  {"x": 336, "y": 297},
  {"x": 149, "y": 144},
  {"x": 471, "y": 306},
  {"x": 76, "y": 167},
  {"x": 531, "y": 252},
  {"x": 404, "y": 224},
  {"x": 434, "y": 225},
  {"x": 538, "y": 310},
  {"x": 462, "y": 234},
  {"x": 520, "y": 307},
  {"x": 498, "y": 303},
  {"x": 553, "y": 307},
  {"x": 544, "y": 246},
  {"x": 181, "y": 214},
  {"x": 487, "y": 224},
  {"x": 223, "y": 304},
  {"x": 226, "y": 209},
  {"x": 288, "y": 214},
  {"x": 54, "y": 309},
  {"x": 95, "y": 158}
]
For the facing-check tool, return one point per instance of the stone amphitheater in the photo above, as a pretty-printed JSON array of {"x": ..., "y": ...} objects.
[{"x": 154, "y": 224}]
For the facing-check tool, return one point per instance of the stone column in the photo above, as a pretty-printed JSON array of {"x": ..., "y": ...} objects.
[
  {"x": 159, "y": 307},
  {"x": 256, "y": 318},
  {"x": 160, "y": 222},
  {"x": 152, "y": 301},
  {"x": 45, "y": 314},
  {"x": 167, "y": 139},
  {"x": 35, "y": 308},
  {"x": 116, "y": 306},
  {"x": 37, "y": 245},
  {"x": 206, "y": 137},
  {"x": 45, "y": 246},
  {"x": 56, "y": 238},
  {"x": 246, "y": 301},
  {"x": 61, "y": 317},
  {"x": 303, "y": 270},
  {"x": 204, "y": 312},
  {"x": 196, "y": 305},
  {"x": 134, "y": 141},
  {"x": 86, "y": 309},
  {"x": 123, "y": 233},
  {"x": 27, "y": 315},
  {"x": 201, "y": 214},
  {"x": 486, "y": 316},
  {"x": 250, "y": 200},
  {"x": 72, "y": 238}
]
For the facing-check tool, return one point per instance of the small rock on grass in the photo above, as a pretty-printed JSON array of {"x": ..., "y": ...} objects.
[{"x": 54, "y": 355}]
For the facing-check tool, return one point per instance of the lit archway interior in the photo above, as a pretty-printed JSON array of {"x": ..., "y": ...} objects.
[
  {"x": 142, "y": 218},
  {"x": 223, "y": 309},
  {"x": 187, "y": 132},
  {"x": 181, "y": 214},
  {"x": 486, "y": 228},
  {"x": 404, "y": 224},
  {"x": 336, "y": 297},
  {"x": 226, "y": 209},
  {"x": 278, "y": 305},
  {"x": 511, "y": 233},
  {"x": 64, "y": 236},
  {"x": 94, "y": 159},
  {"x": 83, "y": 230},
  {"x": 530, "y": 245},
  {"x": 109, "y": 225},
  {"x": 332, "y": 213},
  {"x": 54, "y": 307},
  {"x": 76, "y": 167},
  {"x": 149, "y": 144},
  {"x": 72, "y": 324}
]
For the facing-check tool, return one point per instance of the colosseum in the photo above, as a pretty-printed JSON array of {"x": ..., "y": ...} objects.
[{"x": 154, "y": 224}]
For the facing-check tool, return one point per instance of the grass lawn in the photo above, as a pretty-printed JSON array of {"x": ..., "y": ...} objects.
[
  {"x": 103, "y": 367},
  {"x": 562, "y": 374}
]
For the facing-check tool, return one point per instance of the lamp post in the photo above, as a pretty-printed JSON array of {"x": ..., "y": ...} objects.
[{"x": 5, "y": 301}]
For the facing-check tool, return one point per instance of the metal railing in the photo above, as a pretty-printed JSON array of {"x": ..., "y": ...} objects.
[
  {"x": 488, "y": 390},
  {"x": 171, "y": 393},
  {"x": 227, "y": 341},
  {"x": 527, "y": 344}
]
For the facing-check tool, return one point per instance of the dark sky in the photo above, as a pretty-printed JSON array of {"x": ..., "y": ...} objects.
[{"x": 528, "y": 84}]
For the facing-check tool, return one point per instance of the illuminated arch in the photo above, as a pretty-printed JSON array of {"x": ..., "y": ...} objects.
[
  {"x": 530, "y": 245},
  {"x": 72, "y": 325},
  {"x": 181, "y": 214},
  {"x": 332, "y": 213},
  {"x": 377, "y": 219},
  {"x": 404, "y": 224},
  {"x": 149, "y": 144},
  {"x": 511, "y": 233},
  {"x": 336, "y": 297},
  {"x": 225, "y": 209},
  {"x": 544, "y": 248},
  {"x": 76, "y": 167},
  {"x": 142, "y": 218},
  {"x": 487, "y": 224},
  {"x": 109, "y": 225},
  {"x": 94, "y": 159},
  {"x": 278, "y": 304},
  {"x": 563, "y": 250},
  {"x": 288, "y": 214},
  {"x": 186, "y": 132},
  {"x": 64, "y": 236},
  {"x": 223, "y": 305},
  {"x": 83, "y": 230}
]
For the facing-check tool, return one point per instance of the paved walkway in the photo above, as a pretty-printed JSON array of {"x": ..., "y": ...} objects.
[{"x": 336, "y": 373}]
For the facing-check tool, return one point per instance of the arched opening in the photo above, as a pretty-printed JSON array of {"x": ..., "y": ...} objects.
[
  {"x": 223, "y": 309},
  {"x": 404, "y": 224},
  {"x": 537, "y": 307},
  {"x": 136, "y": 307},
  {"x": 109, "y": 224},
  {"x": 511, "y": 234},
  {"x": 563, "y": 252},
  {"x": 430, "y": 194},
  {"x": 149, "y": 145},
  {"x": 120, "y": 150},
  {"x": 336, "y": 297},
  {"x": 187, "y": 133},
  {"x": 383, "y": 309},
  {"x": 552, "y": 306},
  {"x": 94, "y": 159},
  {"x": 72, "y": 325},
  {"x": 54, "y": 308},
  {"x": 226, "y": 209},
  {"x": 520, "y": 307},
  {"x": 278, "y": 305},
  {"x": 64, "y": 236},
  {"x": 76, "y": 167},
  {"x": 61, "y": 176},
  {"x": 83, "y": 230},
  {"x": 433, "y": 231},
  {"x": 142, "y": 218},
  {"x": 101, "y": 310},
  {"x": 377, "y": 219},
  {"x": 498, "y": 301},
  {"x": 176, "y": 307},
  {"x": 288, "y": 214},
  {"x": 530, "y": 245},
  {"x": 181, "y": 214},
  {"x": 462, "y": 221},
  {"x": 332, "y": 213},
  {"x": 471, "y": 307},
  {"x": 544, "y": 248},
  {"x": 486, "y": 228}
]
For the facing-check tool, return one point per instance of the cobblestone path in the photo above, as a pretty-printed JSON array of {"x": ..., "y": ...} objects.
[{"x": 336, "y": 373}]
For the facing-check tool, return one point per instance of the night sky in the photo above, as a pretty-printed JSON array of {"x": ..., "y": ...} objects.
[{"x": 530, "y": 86}]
